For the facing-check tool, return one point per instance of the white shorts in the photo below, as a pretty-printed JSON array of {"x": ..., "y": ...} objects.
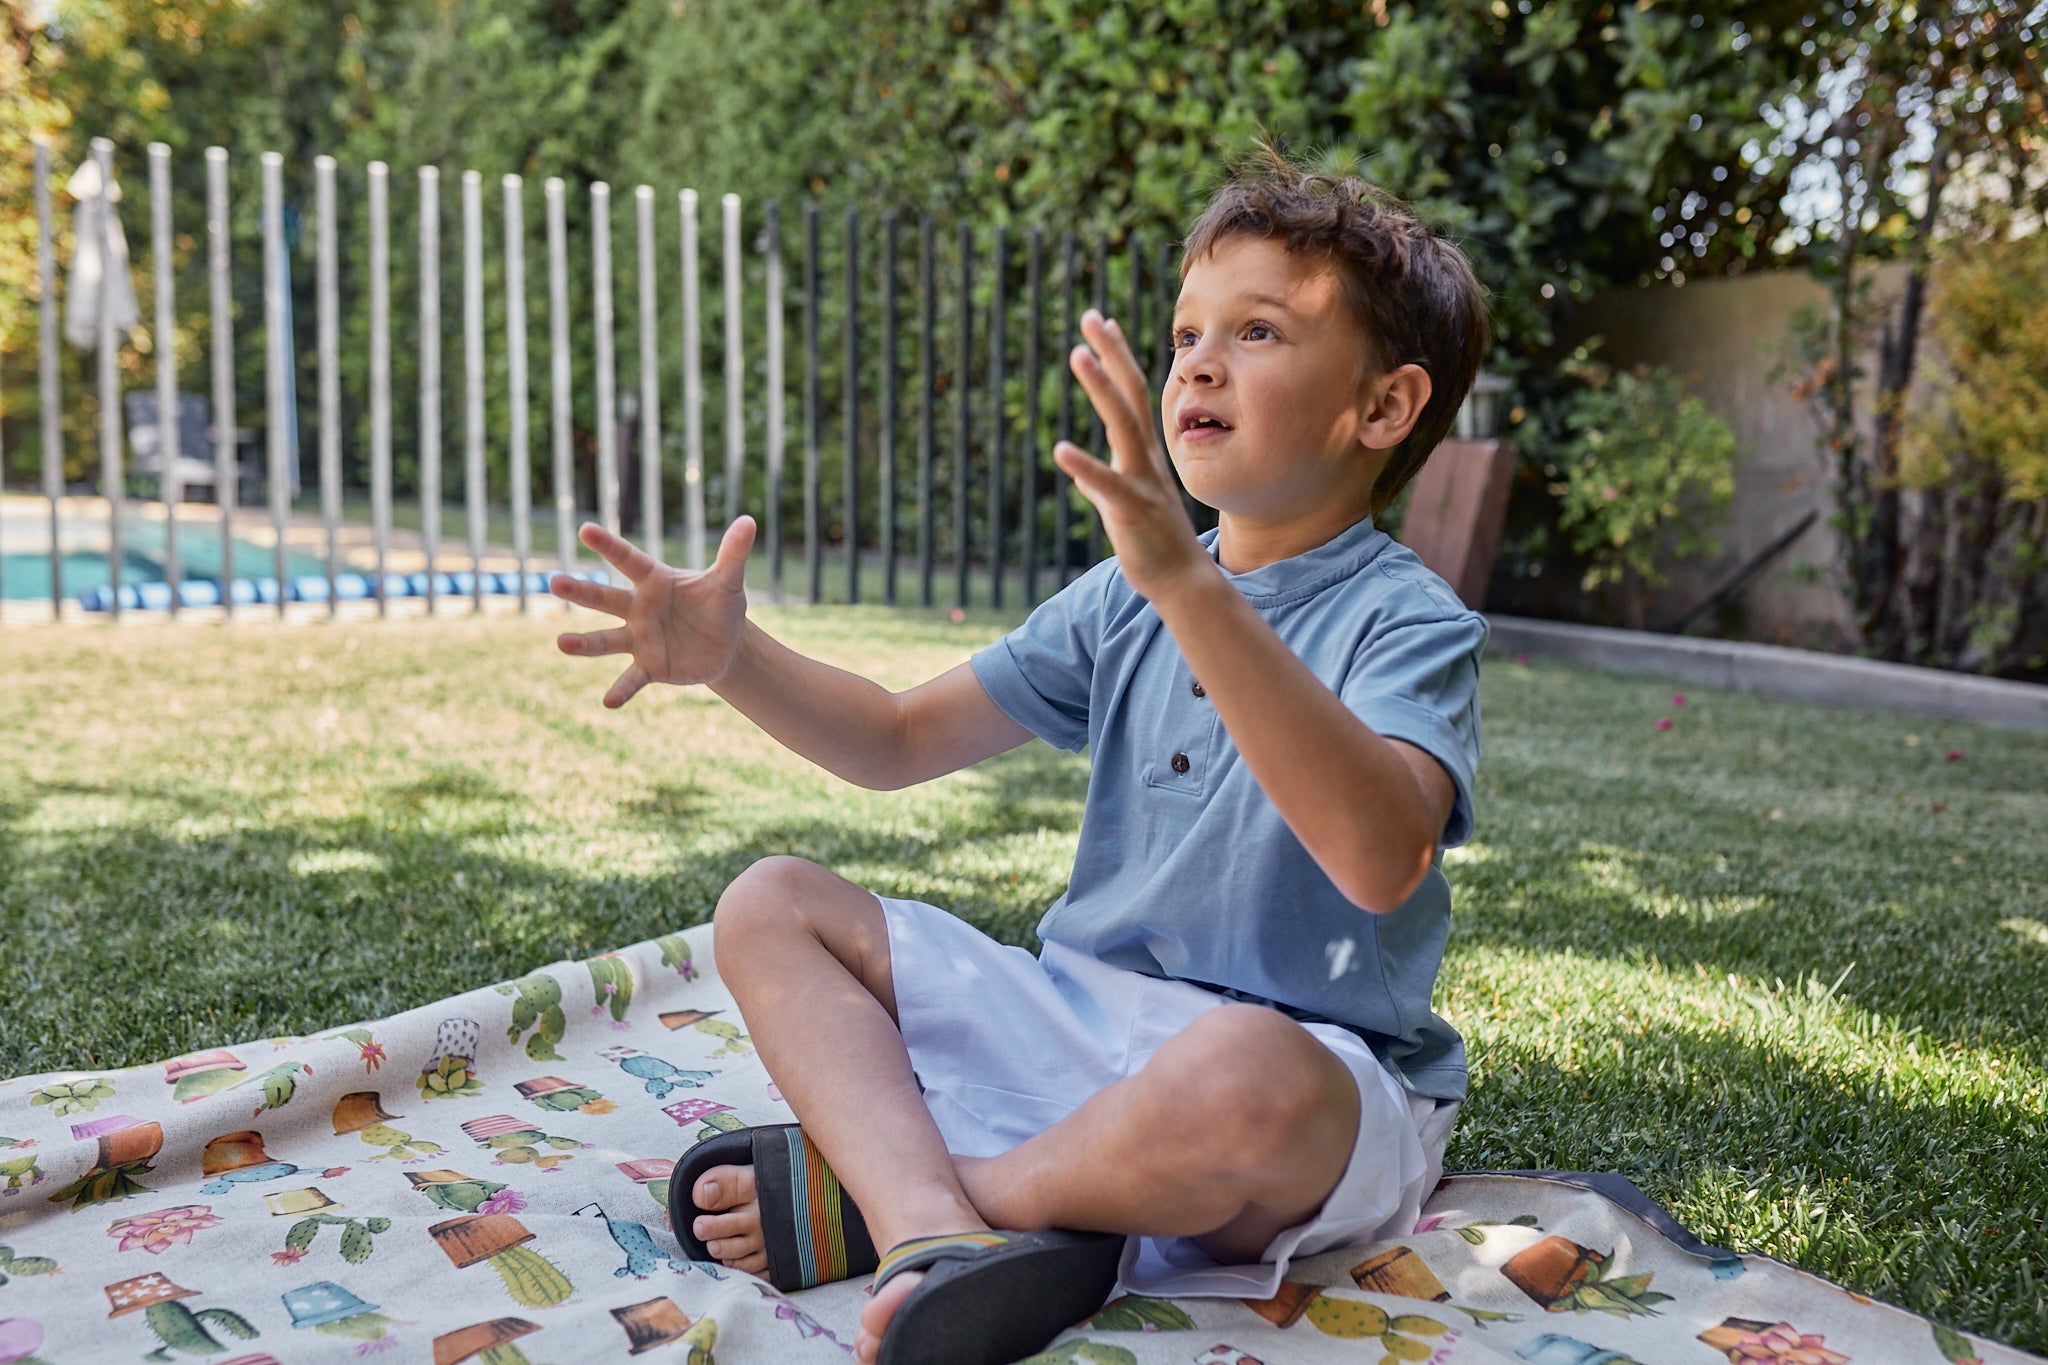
[{"x": 1006, "y": 1045}]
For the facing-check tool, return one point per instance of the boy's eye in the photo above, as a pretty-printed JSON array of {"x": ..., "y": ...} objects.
[
  {"x": 1183, "y": 337},
  {"x": 1257, "y": 331}
]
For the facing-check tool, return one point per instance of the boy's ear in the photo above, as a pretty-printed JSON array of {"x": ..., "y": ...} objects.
[{"x": 1393, "y": 403}]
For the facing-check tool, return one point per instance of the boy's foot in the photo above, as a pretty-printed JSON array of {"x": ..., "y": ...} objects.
[
  {"x": 732, "y": 1233},
  {"x": 984, "y": 1298}
]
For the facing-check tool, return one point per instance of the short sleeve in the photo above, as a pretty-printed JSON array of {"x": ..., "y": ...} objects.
[
  {"x": 1418, "y": 681},
  {"x": 1042, "y": 673}
]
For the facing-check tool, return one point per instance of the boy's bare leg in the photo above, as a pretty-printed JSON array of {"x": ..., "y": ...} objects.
[
  {"x": 806, "y": 954},
  {"x": 1235, "y": 1130}
]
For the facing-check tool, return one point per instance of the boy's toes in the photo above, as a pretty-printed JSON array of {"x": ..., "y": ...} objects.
[
  {"x": 724, "y": 1187},
  {"x": 876, "y": 1314},
  {"x": 729, "y": 1236}
]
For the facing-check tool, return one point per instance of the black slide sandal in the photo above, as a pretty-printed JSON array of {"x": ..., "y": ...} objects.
[
  {"x": 810, "y": 1227},
  {"x": 989, "y": 1298}
]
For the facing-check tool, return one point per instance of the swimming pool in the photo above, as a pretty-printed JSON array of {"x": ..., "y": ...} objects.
[{"x": 25, "y": 574}]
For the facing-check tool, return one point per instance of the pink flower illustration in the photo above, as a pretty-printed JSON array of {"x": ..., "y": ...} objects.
[
  {"x": 372, "y": 1056},
  {"x": 504, "y": 1201},
  {"x": 1782, "y": 1344},
  {"x": 158, "y": 1232},
  {"x": 1430, "y": 1224},
  {"x": 289, "y": 1256}
]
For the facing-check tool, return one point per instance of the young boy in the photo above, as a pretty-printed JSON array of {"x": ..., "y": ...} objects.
[{"x": 1224, "y": 1056}]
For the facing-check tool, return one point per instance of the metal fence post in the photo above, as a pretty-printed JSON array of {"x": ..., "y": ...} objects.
[
  {"x": 777, "y": 394},
  {"x": 47, "y": 373},
  {"x": 380, "y": 374},
  {"x": 327, "y": 304},
  {"x": 735, "y": 363},
  {"x": 474, "y": 490},
  {"x": 963, "y": 387},
  {"x": 168, "y": 446},
  {"x": 650, "y": 378},
  {"x": 927, "y": 348},
  {"x": 850, "y": 373},
  {"x": 607, "y": 397},
  {"x": 693, "y": 387},
  {"x": 430, "y": 375},
  {"x": 221, "y": 330},
  {"x": 1063, "y": 501},
  {"x": 999, "y": 264},
  {"x": 558, "y": 373},
  {"x": 112, "y": 476},
  {"x": 277, "y": 354},
  {"x": 887, "y": 452},
  {"x": 813, "y": 550},
  {"x": 518, "y": 455},
  {"x": 1032, "y": 456}
]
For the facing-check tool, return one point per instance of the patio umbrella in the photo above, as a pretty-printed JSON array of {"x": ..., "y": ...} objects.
[{"x": 97, "y": 210}]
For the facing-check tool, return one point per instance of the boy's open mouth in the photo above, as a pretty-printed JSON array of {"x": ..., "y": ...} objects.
[{"x": 1201, "y": 419}]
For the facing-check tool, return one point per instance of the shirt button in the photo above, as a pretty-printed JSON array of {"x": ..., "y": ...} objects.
[
  {"x": 1198, "y": 689},
  {"x": 1180, "y": 763}
]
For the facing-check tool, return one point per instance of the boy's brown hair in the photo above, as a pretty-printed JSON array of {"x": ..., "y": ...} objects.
[{"x": 1411, "y": 290}]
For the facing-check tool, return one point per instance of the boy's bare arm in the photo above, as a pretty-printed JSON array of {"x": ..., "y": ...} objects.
[
  {"x": 1368, "y": 809},
  {"x": 687, "y": 627}
]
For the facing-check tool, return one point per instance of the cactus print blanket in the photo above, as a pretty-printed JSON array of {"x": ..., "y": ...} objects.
[{"x": 486, "y": 1179}]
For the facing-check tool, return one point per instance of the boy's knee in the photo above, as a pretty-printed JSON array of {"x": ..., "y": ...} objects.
[
  {"x": 767, "y": 893},
  {"x": 1253, "y": 1071}
]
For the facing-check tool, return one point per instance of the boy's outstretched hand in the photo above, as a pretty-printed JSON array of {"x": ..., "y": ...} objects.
[
  {"x": 680, "y": 625},
  {"x": 1135, "y": 492}
]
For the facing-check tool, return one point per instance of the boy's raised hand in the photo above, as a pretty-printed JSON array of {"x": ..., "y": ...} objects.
[
  {"x": 680, "y": 625},
  {"x": 1135, "y": 492}
]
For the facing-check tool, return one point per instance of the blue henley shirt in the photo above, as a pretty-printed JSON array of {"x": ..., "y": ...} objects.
[{"x": 1185, "y": 869}]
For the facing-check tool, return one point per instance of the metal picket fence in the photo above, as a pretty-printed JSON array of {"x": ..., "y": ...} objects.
[{"x": 991, "y": 508}]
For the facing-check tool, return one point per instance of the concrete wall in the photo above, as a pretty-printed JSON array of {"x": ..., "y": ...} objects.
[{"x": 1723, "y": 336}]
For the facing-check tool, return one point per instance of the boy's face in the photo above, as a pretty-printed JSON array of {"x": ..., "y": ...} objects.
[{"x": 1268, "y": 406}]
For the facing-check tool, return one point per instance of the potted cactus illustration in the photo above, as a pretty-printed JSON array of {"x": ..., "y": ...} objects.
[
  {"x": 515, "y": 1142},
  {"x": 177, "y": 1327},
  {"x": 530, "y": 1278},
  {"x": 536, "y": 1005},
  {"x": 611, "y": 982},
  {"x": 18, "y": 1172},
  {"x": 675, "y": 952},
  {"x": 125, "y": 1150},
  {"x": 356, "y": 1236},
  {"x": 1136, "y": 1313},
  {"x": 329, "y": 1309},
  {"x": 489, "y": 1342},
  {"x": 451, "y": 1072},
  {"x": 461, "y": 1193},
  {"x": 12, "y": 1265},
  {"x": 560, "y": 1096},
  {"x": 199, "y": 1074},
  {"x": 362, "y": 1113},
  {"x": 1565, "y": 1277},
  {"x": 73, "y": 1097}
]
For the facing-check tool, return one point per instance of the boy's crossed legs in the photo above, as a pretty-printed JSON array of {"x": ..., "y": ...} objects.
[{"x": 1235, "y": 1130}]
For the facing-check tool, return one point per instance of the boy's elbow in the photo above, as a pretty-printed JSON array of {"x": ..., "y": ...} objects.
[{"x": 1386, "y": 886}]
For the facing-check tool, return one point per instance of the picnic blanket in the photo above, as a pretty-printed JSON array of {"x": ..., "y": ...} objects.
[{"x": 486, "y": 1178}]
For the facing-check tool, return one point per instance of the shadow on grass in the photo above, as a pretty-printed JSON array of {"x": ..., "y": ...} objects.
[
  {"x": 128, "y": 943},
  {"x": 1927, "y": 1205}
]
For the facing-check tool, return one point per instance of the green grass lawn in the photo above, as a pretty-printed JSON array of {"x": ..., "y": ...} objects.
[{"x": 1783, "y": 966}]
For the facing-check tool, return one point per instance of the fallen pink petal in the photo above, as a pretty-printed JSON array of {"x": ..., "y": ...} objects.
[
  {"x": 1663, "y": 722},
  {"x": 1955, "y": 755},
  {"x": 1678, "y": 698}
]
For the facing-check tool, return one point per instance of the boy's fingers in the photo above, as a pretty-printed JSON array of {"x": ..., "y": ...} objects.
[
  {"x": 621, "y": 554},
  {"x": 584, "y": 593},
  {"x": 626, "y": 686},
  {"x": 1129, "y": 439},
  {"x": 1118, "y": 360},
  {"x": 733, "y": 547},
  {"x": 617, "y": 640},
  {"x": 1097, "y": 481}
]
